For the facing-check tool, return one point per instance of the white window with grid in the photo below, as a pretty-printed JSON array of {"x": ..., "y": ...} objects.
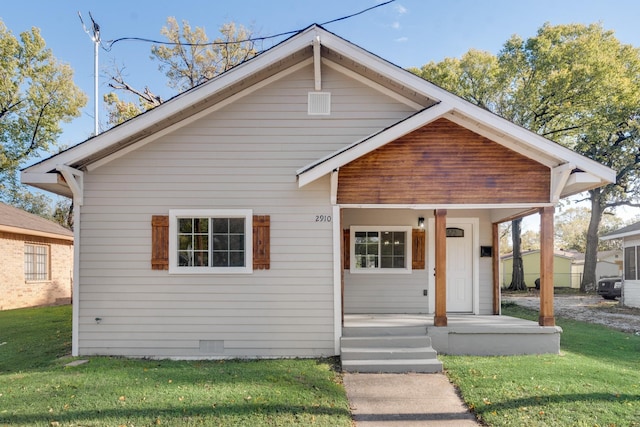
[
  {"x": 210, "y": 241},
  {"x": 380, "y": 249}
]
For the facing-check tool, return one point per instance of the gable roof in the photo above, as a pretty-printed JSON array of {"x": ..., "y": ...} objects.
[
  {"x": 629, "y": 230},
  {"x": 572, "y": 173},
  {"x": 17, "y": 221}
]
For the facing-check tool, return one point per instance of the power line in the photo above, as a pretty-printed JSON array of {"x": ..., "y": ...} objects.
[{"x": 110, "y": 43}]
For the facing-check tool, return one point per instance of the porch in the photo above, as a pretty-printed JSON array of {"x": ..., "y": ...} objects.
[{"x": 410, "y": 342}]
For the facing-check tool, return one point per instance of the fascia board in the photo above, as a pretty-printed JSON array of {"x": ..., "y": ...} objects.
[
  {"x": 358, "y": 149},
  {"x": 28, "y": 177},
  {"x": 621, "y": 235}
]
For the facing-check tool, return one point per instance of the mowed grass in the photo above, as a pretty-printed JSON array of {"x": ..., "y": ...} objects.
[
  {"x": 595, "y": 381},
  {"x": 37, "y": 389}
]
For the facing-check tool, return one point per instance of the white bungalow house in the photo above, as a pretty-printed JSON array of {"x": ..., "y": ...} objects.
[
  {"x": 630, "y": 236},
  {"x": 312, "y": 187}
]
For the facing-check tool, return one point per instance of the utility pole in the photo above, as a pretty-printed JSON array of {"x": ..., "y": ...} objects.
[{"x": 94, "y": 34}]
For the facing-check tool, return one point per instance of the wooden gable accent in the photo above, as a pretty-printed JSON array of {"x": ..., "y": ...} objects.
[
  {"x": 160, "y": 242},
  {"x": 443, "y": 163}
]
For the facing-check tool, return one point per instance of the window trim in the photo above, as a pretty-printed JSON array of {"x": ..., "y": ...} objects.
[
  {"x": 408, "y": 230},
  {"x": 175, "y": 214},
  {"x": 34, "y": 255}
]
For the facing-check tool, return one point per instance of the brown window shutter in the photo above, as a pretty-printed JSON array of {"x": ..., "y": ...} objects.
[
  {"x": 346, "y": 249},
  {"x": 418, "y": 238},
  {"x": 159, "y": 242},
  {"x": 261, "y": 242}
]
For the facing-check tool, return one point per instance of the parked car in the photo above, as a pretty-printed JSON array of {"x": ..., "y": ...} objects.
[{"x": 610, "y": 287}]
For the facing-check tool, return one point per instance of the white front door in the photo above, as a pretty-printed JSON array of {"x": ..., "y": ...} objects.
[
  {"x": 462, "y": 265},
  {"x": 459, "y": 268}
]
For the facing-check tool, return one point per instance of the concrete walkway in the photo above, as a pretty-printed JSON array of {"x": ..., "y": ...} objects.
[{"x": 405, "y": 400}]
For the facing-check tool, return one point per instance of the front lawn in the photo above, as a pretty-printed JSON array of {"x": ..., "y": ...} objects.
[
  {"x": 37, "y": 389},
  {"x": 595, "y": 381}
]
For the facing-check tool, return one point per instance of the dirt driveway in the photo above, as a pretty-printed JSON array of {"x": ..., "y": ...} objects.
[{"x": 587, "y": 308}]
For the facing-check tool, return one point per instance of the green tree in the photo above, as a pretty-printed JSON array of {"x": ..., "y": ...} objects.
[
  {"x": 190, "y": 60},
  {"x": 572, "y": 225},
  {"x": 574, "y": 84},
  {"x": 530, "y": 240},
  {"x": 37, "y": 93}
]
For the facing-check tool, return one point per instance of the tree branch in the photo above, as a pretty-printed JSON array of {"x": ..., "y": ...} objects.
[
  {"x": 622, "y": 203},
  {"x": 146, "y": 95}
]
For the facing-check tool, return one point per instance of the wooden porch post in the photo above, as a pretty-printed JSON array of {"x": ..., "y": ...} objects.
[
  {"x": 440, "y": 318},
  {"x": 496, "y": 268},
  {"x": 546, "y": 267}
]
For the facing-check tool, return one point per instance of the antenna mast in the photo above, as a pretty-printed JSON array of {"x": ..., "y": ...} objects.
[{"x": 94, "y": 34}]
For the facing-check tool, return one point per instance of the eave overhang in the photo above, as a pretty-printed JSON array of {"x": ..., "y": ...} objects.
[{"x": 35, "y": 233}]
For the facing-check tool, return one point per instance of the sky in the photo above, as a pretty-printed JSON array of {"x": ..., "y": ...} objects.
[{"x": 408, "y": 33}]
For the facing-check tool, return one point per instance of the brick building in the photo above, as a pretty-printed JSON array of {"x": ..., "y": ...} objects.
[{"x": 36, "y": 265}]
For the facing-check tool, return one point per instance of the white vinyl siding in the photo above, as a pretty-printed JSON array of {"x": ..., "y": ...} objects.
[{"x": 244, "y": 156}]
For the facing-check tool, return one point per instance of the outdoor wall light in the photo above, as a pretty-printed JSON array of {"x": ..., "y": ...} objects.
[{"x": 421, "y": 222}]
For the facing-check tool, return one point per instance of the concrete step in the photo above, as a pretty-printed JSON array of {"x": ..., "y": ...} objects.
[
  {"x": 404, "y": 341},
  {"x": 409, "y": 352},
  {"x": 385, "y": 353},
  {"x": 381, "y": 331},
  {"x": 393, "y": 366}
]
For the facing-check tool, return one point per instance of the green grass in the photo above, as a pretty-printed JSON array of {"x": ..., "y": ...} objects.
[
  {"x": 33, "y": 337},
  {"x": 37, "y": 389},
  {"x": 595, "y": 381}
]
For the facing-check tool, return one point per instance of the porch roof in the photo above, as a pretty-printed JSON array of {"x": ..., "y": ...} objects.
[{"x": 572, "y": 173}]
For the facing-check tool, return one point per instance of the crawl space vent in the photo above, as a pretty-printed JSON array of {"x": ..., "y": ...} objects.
[{"x": 319, "y": 103}]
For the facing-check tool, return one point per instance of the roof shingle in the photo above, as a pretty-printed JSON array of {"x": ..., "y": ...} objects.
[{"x": 28, "y": 222}]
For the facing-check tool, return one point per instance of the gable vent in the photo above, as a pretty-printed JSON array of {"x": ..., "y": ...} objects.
[{"x": 319, "y": 103}]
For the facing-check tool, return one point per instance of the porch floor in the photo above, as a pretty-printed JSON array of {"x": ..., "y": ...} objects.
[{"x": 467, "y": 334}]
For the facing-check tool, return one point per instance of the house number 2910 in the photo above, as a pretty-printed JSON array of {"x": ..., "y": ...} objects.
[{"x": 323, "y": 218}]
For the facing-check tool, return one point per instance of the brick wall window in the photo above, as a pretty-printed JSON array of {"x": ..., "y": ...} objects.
[{"x": 36, "y": 262}]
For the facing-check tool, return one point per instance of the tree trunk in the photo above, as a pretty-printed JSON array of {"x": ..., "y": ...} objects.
[
  {"x": 589, "y": 278},
  {"x": 517, "y": 275}
]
